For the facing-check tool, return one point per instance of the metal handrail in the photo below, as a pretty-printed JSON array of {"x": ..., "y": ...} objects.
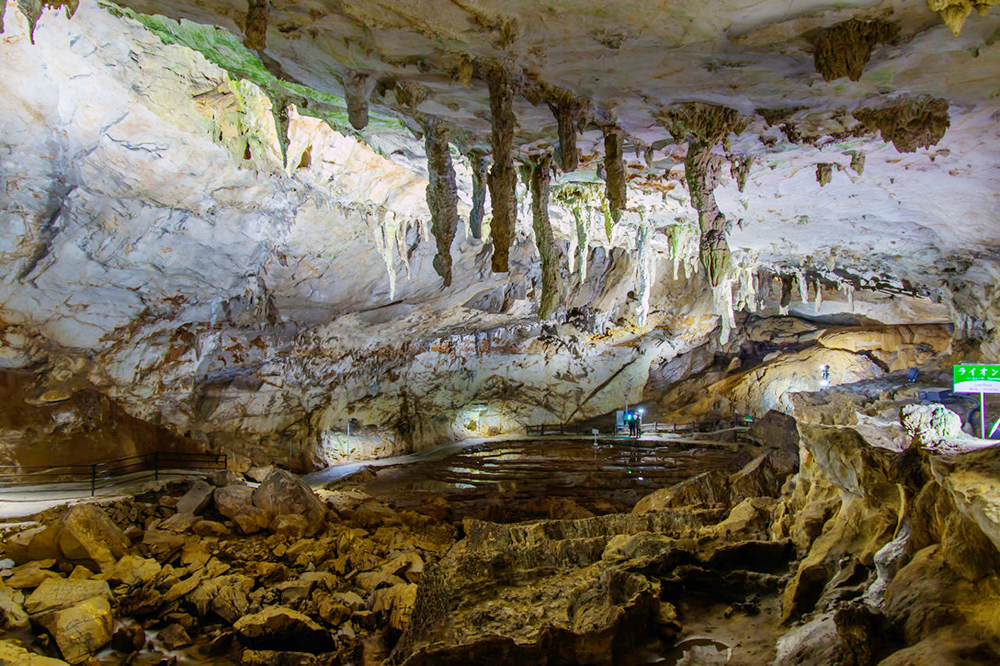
[
  {"x": 652, "y": 427},
  {"x": 103, "y": 474}
]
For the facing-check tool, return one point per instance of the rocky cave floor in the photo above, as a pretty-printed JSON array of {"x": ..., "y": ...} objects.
[{"x": 809, "y": 542}]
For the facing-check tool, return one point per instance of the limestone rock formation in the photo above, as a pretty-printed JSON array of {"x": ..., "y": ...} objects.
[
  {"x": 503, "y": 177},
  {"x": 283, "y": 493},
  {"x": 908, "y": 123},
  {"x": 441, "y": 197},
  {"x": 845, "y": 48}
]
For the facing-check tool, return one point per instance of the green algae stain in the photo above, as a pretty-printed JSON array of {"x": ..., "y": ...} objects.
[{"x": 225, "y": 50}]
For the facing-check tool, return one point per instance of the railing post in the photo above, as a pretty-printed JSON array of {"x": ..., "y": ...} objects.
[
  {"x": 93, "y": 479},
  {"x": 156, "y": 466}
]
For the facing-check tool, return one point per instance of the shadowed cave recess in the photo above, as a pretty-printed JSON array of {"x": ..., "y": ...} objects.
[{"x": 388, "y": 274}]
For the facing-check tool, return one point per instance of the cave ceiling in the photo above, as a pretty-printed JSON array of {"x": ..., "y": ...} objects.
[
  {"x": 265, "y": 163},
  {"x": 870, "y": 132}
]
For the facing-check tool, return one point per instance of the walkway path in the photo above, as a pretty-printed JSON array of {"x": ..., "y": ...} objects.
[{"x": 34, "y": 499}]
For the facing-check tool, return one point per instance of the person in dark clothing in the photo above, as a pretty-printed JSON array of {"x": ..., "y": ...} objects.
[{"x": 630, "y": 420}]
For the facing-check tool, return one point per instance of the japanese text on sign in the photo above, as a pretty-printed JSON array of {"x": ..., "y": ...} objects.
[{"x": 976, "y": 378}]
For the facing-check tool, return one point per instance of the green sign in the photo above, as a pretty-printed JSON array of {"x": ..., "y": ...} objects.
[{"x": 973, "y": 378}]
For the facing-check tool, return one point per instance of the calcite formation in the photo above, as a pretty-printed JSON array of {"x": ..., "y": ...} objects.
[
  {"x": 824, "y": 173},
  {"x": 540, "y": 178},
  {"x": 255, "y": 25},
  {"x": 954, "y": 12},
  {"x": 909, "y": 123},
  {"x": 567, "y": 112},
  {"x": 614, "y": 171},
  {"x": 441, "y": 197},
  {"x": 701, "y": 172},
  {"x": 503, "y": 175},
  {"x": 358, "y": 87},
  {"x": 480, "y": 176},
  {"x": 739, "y": 168},
  {"x": 845, "y": 48}
]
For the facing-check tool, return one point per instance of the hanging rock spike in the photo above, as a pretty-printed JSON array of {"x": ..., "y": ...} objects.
[
  {"x": 614, "y": 168},
  {"x": 358, "y": 88},
  {"x": 255, "y": 28},
  {"x": 700, "y": 170},
  {"x": 442, "y": 196},
  {"x": 503, "y": 175},
  {"x": 479, "y": 163},
  {"x": 544, "y": 241},
  {"x": 567, "y": 111}
]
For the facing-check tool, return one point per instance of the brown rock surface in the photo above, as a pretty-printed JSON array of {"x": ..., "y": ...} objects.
[
  {"x": 284, "y": 493},
  {"x": 276, "y": 627}
]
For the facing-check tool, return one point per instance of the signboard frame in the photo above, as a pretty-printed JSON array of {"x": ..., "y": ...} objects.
[{"x": 981, "y": 378}]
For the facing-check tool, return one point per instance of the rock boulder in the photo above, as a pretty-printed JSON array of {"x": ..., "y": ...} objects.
[
  {"x": 284, "y": 493},
  {"x": 278, "y": 627}
]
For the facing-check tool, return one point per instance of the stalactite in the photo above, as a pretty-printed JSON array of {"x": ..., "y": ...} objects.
[
  {"x": 700, "y": 168},
  {"x": 744, "y": 279},
  {"x": 567, "y": 111},
  {"x": 786, "y": 294},
  {"x": 479, "y": 177},
  {"x": 255, "y": 26},
  {"x": 645, "y": 279},
  {"x": 858, "y": 162},
  {"x": 803, "y": 286},
  {"x": 503, "y": 175},
  {"x": 824, "y": 173},
  {"x": 402, "y": 229},
  {"x": 582, "y": 239},
  {"x": 722, "y": 300},
  {"x": 614, "y": 168},
  {"x": 739, "y": 169},
  {"x": 845, "y": 48},
  {"x": 908, "y": 122},
  {"x": 609, "y": 221},
  {"x": 32, "y": 11},
  {"x": 540, "y": 178},
  {"x": 681, "y": 252},
  {"x": 442, "y": 196},
  {"x": 279, "y": 109},
  {"x": 384, "y": 234},
  {"x": 819, "y": 296},
  {"x": 358, "y": 88}
]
